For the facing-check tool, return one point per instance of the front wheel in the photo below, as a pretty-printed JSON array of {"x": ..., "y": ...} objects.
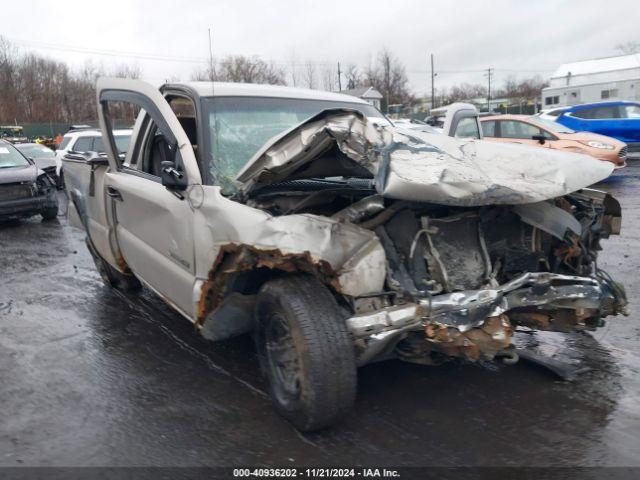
[{"x": 305, "y": 351}]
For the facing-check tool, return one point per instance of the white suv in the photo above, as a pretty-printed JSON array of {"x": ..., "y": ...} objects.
[{"x": 89, "y": 140}]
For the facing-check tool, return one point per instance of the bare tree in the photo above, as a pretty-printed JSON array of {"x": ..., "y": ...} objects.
[
  {"x": 628, "y": 48},
  {"x": 34, "y": 88},
  {"x": 309, "y": 74},
  {"x": 388, "y": 76},
  {"x": 293, "y": 69},
  {"x": 238, "y": 68},
  {"x": 329, "y": 77},
  {"x": 352, "y": 75}
]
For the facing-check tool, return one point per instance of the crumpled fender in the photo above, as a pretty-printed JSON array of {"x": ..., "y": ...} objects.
[{"x": 348, "y": 258}]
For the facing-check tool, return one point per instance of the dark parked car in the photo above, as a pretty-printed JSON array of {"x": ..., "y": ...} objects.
[
  {"x": 25, "y": 190},
  {"x": 42, "y": 156}
]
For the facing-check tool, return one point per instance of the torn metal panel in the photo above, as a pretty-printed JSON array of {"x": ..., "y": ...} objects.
[
  {"x": 549, "y": 218},
  {"x": 417, "y": 166},
  {"x": 286, "y": 155},
  {"x": 348, "y": 258},
  {"x": 475, "y": 323}
]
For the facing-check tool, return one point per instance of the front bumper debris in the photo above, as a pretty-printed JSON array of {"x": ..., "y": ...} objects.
[
  {"x": 25, "y": 207},
  {"x": 478, "y": 324}
]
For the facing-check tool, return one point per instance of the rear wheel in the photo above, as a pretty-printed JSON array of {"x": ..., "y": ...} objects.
[
  {"x": 110, "y": 276},
  {"x": 305, "y": 352}
]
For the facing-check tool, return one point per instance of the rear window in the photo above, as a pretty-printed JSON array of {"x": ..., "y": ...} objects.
[{"x": 632, "y": 111}]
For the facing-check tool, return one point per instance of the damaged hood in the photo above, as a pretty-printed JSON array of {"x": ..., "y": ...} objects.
[
  {"x": 26, "y": 173},
  {"x": 417, "y": 166}
]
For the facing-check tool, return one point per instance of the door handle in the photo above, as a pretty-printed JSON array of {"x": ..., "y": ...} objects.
[{"x": 114, "y": 193}]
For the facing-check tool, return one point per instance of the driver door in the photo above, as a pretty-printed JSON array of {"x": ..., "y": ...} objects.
[{"x": 152, "y": 224}]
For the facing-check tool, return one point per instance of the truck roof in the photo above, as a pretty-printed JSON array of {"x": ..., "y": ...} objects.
[{"x": 226, "y": 89}]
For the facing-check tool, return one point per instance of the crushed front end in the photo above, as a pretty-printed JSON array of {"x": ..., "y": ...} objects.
[
  {"x": 459, "y": 281},
  {"x": 477, "y": 238}
]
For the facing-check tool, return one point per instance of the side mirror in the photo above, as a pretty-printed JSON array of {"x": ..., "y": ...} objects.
[
  {"x": 540, "y": 138},
  {"x": 171, "y": 177},
  {"x": 95, "y": 159}
]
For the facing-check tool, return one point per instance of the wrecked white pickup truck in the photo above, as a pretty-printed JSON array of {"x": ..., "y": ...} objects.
[{"x": 337, "y": 239}]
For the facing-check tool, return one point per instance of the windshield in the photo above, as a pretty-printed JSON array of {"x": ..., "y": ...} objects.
[
  {"x": 10, "y": 157},
  {"x": 238, "y": 126},
  {"x": 551, "y": 125},
  {"x": 36, "y": 151}
]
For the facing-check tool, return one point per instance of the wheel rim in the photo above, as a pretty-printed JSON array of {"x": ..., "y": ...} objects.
[{"x": 282, "y": 358}]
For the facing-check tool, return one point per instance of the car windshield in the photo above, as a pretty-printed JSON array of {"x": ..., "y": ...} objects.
[
  {"x": 36, "y": 151},
  {"x": 10, "y": 157},
  {"x": 550, "y": 125},
  {"x": 238, "y": 126}
]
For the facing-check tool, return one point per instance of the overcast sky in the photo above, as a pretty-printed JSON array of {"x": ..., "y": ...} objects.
[{"x": 466, "y": 37}]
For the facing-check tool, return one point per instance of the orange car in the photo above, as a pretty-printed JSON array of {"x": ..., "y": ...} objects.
[{"x": 547, "y": 134}]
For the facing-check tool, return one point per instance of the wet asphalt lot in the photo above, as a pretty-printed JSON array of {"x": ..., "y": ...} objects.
[{"x": 90, "y": 376}]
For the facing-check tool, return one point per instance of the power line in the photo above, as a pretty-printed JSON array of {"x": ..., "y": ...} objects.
[
  {"x": 114, "y": 53},
  {"x": 208, "y": 61}
]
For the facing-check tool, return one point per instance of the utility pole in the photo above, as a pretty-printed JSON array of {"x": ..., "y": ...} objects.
[
  {"x": 339, "y": 81},
  {"x": 433, "y": 89},
  {"x": 211, "y": 72},
  {"x": 489, "y": 74}
]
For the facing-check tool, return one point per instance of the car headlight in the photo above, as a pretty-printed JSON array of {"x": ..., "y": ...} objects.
[{"x": 597, "y": 144}]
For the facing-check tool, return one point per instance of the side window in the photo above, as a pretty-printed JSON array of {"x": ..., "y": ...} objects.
[
  {"x": 151, "y": 133},
  {"x": 185, "y": 111},
  {"x": 584, "y": 113},
  {"x": 83, "y": 144},
  {"x": 97, "y": 144},
  {"x": 489, "y": 129},
  {"x": 467, "y": 128},
  {"x": 514, "y": 129},
  {"x": 600, "y": 113},
  {"x": 153, "y": 150},
  {"x": 608, "y": 112}
]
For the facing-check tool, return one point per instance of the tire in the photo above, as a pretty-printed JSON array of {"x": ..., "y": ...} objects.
[
  {"x": 60, "y": 181},
  {"x": 110, "y": 276},
  {"x": 305, "y": 352},
  {"x": 50, "y": 213}
]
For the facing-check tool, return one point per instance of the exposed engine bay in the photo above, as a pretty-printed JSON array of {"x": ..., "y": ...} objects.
[{"x": 463, "y": 278}]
